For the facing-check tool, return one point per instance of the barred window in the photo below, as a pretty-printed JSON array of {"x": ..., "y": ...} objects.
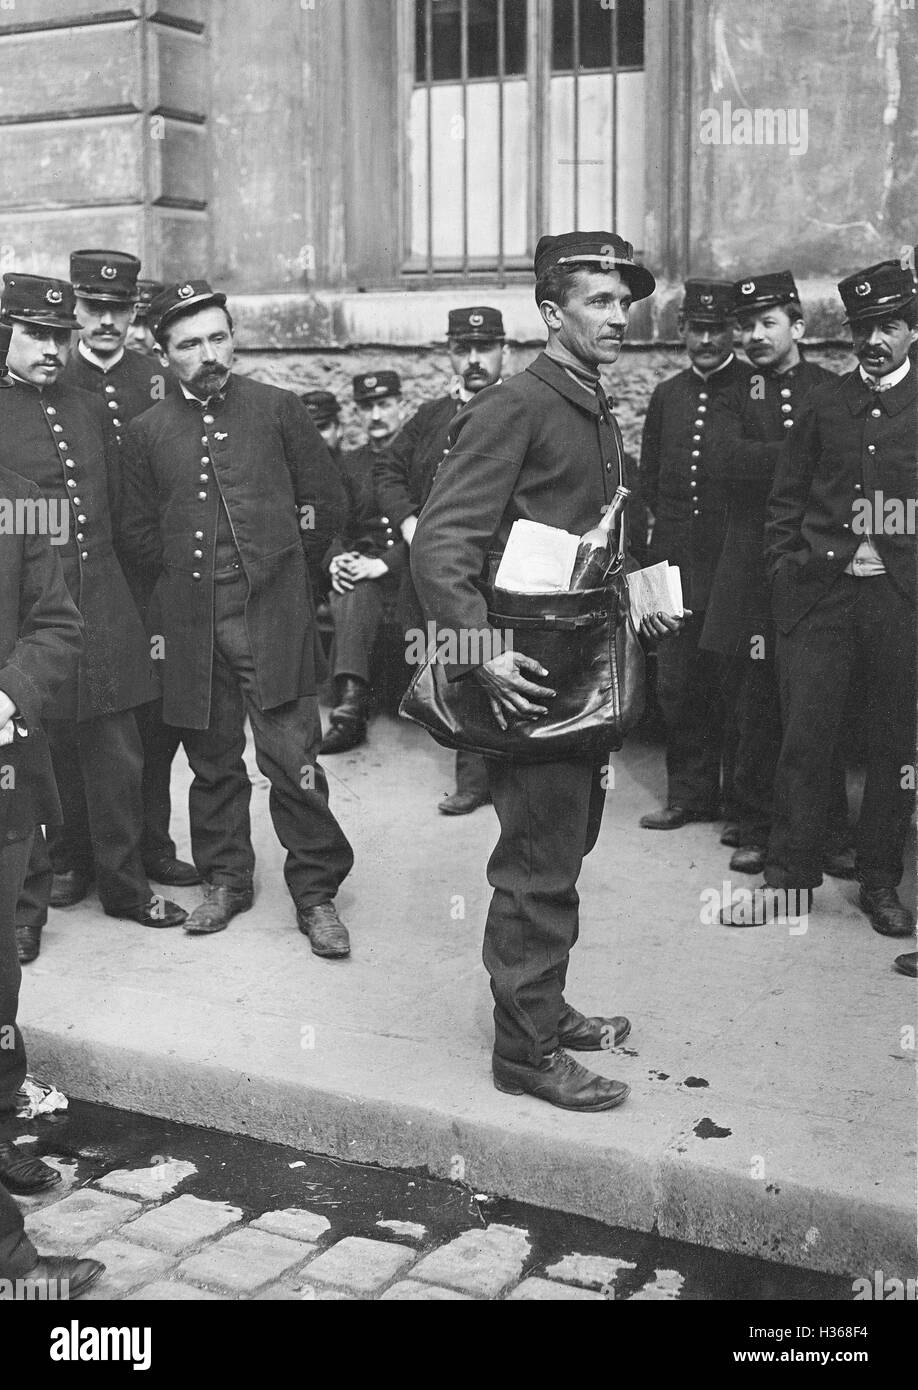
[{"x": 526, "y": 116}]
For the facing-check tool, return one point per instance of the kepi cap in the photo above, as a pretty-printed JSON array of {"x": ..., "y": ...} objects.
[
  {"x": 480, "y": 324},
  {"x": 877, "y": 292},
  {"x": 175, "y": 300},
  {"x": 372, "y": 386},
  {"x": 38, "y": 299},
  {"x": 768, "y": 291},
  {"x": 105, "y": 275},
  {"x": 708, "y": 301},
  {"x": 147, "y": 290},
  {"x": 596, "y": 250},
  {"x": 323, "y": 407}
]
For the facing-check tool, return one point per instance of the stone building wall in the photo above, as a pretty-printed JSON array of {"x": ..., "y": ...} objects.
[{"x": 425, "y": 374}]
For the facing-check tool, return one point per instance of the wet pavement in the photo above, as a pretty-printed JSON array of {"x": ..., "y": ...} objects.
[{"x": 121, "y": 1167}]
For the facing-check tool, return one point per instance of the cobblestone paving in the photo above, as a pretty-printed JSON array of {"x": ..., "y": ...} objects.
[{"x": 250, "y": 1230}]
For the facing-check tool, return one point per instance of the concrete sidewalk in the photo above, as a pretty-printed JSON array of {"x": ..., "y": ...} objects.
[{"x": 772, "y": 1071}]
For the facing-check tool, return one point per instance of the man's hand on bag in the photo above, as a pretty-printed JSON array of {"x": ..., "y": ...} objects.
[
  {"x": 657, "y": 625},
  {"x": 508, "y": 688}
]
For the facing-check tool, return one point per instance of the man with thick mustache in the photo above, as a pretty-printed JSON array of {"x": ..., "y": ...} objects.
[
  {"x": 406, "y": 469},
  {"x": 127, "y": 383},
  {"x": 56, "y": 436},
  {"x": 841, "y": 553},
  {"x": 543, "y": 447},
  {"x": 230, "y": 499}
]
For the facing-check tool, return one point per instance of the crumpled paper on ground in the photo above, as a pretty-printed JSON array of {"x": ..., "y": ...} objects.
[{"x": 37, "y": 1097}]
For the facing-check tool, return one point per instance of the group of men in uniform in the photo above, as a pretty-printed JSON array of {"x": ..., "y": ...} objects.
[{"x": 204, "y": 510}]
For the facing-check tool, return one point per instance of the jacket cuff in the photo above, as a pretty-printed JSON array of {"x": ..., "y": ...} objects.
[{"x": 22, "y": 693}]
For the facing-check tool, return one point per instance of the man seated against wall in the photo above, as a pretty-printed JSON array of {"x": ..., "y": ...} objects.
[{"x": 365, "y": 562}]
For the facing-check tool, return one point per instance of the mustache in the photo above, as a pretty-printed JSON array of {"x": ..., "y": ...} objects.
[{"x": 871, "y": 350}]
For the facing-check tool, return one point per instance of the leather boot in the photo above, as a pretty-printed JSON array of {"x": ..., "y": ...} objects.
[
  {"x": 349, "y": 716},
  {"x": 28, "y": 943},
  {"x": 561, "y": 1081}
]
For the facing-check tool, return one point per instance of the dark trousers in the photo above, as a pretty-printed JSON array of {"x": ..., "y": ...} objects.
[
  {"x": 357, "y": 616},
  {"x": 689, "y": 695},
  {"x": 750, "y": 699},
  {"x": 286, "y": 742},
  {"x": 17, "y": 1253},
  {"x": 549, "y": 814},
  {"x": 471, "y": 773},
  {"x": 860, "y": 622},
  {"x": 160, "y": 743},
  {"x": 98, "y": 764}
]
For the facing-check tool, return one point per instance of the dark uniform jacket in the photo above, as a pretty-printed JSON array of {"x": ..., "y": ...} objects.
[
  {"x": 256, "y": 451},
  {"x": 405, "y": 470},
  {"x": 56, "y": 437},
  {"x": 128, "y": 389},
  {"x": 366, "y": 529},
  {"x": 749, "y": 425},
  {"x": 533, "y": 447},
  {"x": 39, "y": 647},
  {"x": 849, "y": 444},
  {"x": 689, "y": 505}
]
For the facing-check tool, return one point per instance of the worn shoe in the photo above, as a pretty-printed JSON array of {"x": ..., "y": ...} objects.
[
  {"x": 69, "y": 888},
  {"x": 174, "y": 873},
  {"x": 887, "y": 915},
  {"x": 158, "y": 912},
  {"x": 220, "y": 904},
  {"x": 343, "y": 735},
  {"x": 672, "y": 817},
  {"x": 460, "y": 803},
  {"x": 907, "y": 964},
  {"x": 23, "y": 1174},
  {"x": 561, "y": 1081},
  {"x": 757, "y": 907},
  {"x": 582, "y": 1034},
  {"x": 734, "y": 835},
  {"x": 839, "y": 863},
  {"x": 58, "y": 1277},
  {"x": 28, "y": 944},
  {"x": 327, "y": 933},
  {"x": 748, "y": 859}
]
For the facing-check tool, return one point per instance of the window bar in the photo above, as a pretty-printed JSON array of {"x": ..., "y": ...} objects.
[
  {"x": 614, "y": 30},
  {"x": 576, "y": 60},
  {"x": 428, "y": 76},
  {"x": 501, "y": 65},
  {"x": 464, "y": 70}
]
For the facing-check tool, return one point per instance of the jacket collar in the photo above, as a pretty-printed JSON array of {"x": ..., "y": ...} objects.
[
  {"x": 555, "y": 376},
  {"x": 858, "y": 395}
]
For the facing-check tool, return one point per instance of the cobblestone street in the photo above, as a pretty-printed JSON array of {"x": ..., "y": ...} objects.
[{"x": 180, "y": 1213}]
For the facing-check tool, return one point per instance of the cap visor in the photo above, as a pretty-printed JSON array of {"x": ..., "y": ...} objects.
[{"x": 42, "y": 320}]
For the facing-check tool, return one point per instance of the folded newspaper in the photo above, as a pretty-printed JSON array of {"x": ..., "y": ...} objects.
[
  {"x": 537, "y": 559},
  {"x": 656, "y": 589}
]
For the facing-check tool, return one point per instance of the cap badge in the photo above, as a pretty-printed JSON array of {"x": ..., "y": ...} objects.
[
  {"x": 707, "y": 300},
  {"x": 747, "y": 287},
  {"x": 369, "y": 382},
  {"x": 54, "y": 297},
  {"x": 185, "y": 291},
  {"x": 108, "y": 272},
  {"x": 476, "y": 320},
  {"x": 862, "y": 288},
  {"x": 608, "y": 257}
]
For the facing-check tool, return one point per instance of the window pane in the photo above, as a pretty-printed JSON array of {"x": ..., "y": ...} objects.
[
  {"x": 595, "y": 35},
  {"x": 630, "y": 33},
  {"x": 515, "y": 36},
  {"x": 483, "y": 38},
  {"x": 562, "y": 35}
]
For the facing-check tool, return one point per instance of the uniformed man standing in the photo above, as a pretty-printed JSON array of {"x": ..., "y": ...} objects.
[
  {"x": 56, "y": 435},
  {"x": 406, "y": 470},
  {"x": 842, "y": 554},
  {"x": 229, "y": 496},
  {"x": 690, "y": 512},
  {"x": 365, "y": 563},
  {"x": 545, "y": 447},
  {"x": 128, "y": 383},
  {"x": 750, "y": 423}
]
